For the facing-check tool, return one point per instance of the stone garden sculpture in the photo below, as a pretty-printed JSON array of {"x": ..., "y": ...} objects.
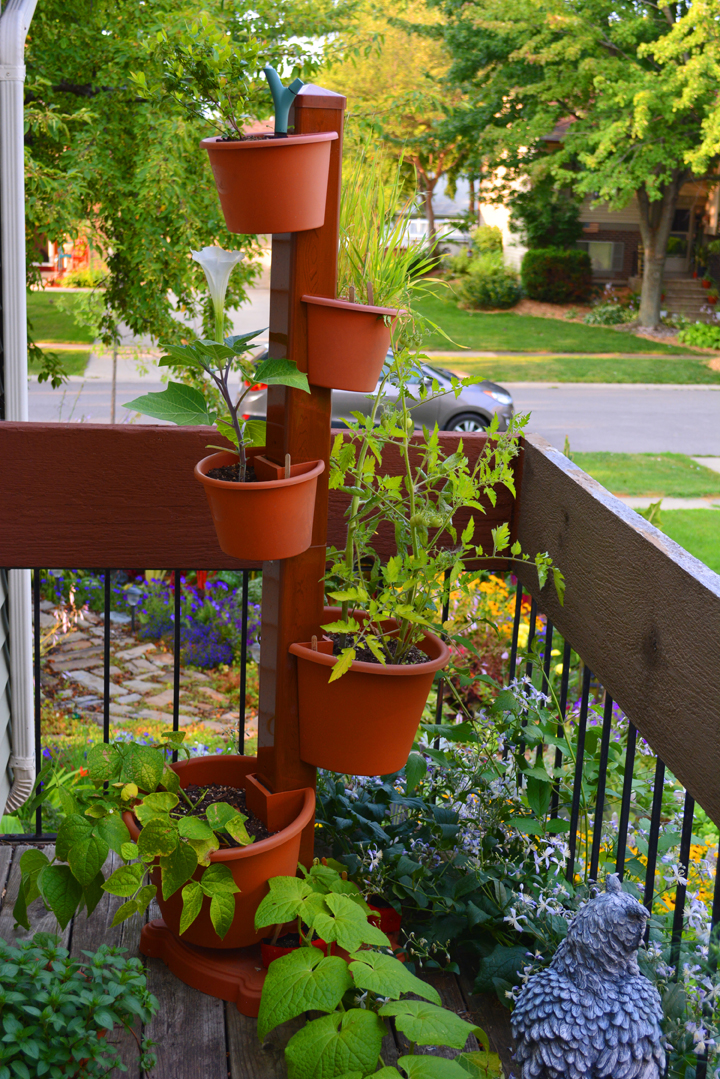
[{"x": 591, "y": 1014}]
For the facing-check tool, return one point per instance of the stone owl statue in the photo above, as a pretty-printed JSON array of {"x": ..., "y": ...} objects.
[{"x": 591, "y": 1014}]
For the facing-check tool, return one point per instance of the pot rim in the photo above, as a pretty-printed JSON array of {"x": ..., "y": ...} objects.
[
  {"x": 216, "y": 141},
  {"x": 346, "y": 305},
  {"x": 235, "y": 853},
  {"x": 314, "y": 468},
  {"x": 304, "y": 651}
]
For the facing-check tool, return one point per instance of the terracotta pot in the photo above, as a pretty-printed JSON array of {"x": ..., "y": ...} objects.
[
  {"x": 270, "y": 952},
  {"x": 705, "y": 283},
  {"x": 347, "y": 343},
  {"x": 269, "y": 519},
  {"x": 386, "y": 917},
  {"x": 252, "y": 866},
  {"x": 272, "y": 185},
  {"x": 364, "y": 723}
]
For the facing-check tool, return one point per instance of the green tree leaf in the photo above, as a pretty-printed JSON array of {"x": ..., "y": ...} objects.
[
  {"x": 222, "y": 912},
  {"x": 387, "y": 976},
  {"x": 334, "y": 1044},
  {"x": 177, "y": 868},
  {"x": 60, "y": 891},
  {"x": 86, "y": 858},
  {"x": 427, "y": 1024},
  {"x": 303, "y": 980},
  {"x": 125, "y": 880},
  {"x": 192, "y": 897},
  {"x": 180, "y": 404},
  {"x": 157, "y": 838},
  {"x": 347, "y": 925},
  {"x": 283, "y": 901}
]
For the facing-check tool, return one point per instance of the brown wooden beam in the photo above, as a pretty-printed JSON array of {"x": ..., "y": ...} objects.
[{"x": 640, "y": 611}]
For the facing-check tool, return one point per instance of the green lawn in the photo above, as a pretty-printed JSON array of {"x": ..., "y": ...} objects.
[
  {"x": 507, "y": 332},
  {"x": 50, "y": 324},
  {"x": 670, "y": 475},
  {"x": 698, "y": 531},
  {"x": 673, "y": 370},
  {"x": 74, "y": 363}
]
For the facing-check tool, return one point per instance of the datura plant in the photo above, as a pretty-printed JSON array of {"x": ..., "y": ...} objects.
[
  {"x": 421, "y": 504},
  {"x": 125, "y": 776},
  {"x": 219, "y": 360},
  {"x": 360, "y": 992}
]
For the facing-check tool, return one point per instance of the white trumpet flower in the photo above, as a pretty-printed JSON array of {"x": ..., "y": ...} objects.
[{"x": 218, "y": 264}]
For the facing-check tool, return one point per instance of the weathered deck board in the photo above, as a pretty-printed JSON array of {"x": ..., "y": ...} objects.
[
  {"x": 486, "y": 1011},
  {"x": 248, "y": 1058},
  {"x": 40, "y": 920}
]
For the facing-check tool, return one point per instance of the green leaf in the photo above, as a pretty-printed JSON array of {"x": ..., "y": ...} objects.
[
  {"x": 428, "y": 1024},
  {"x": 194, "y": 828},
  {"x": 218, "y": 878},
  {"x": 144, "y": 897},
  {"x": 87, "y": 857},
  {"x": 539, "y": 793},
  {"x": 388, "y": 977},
  {"x": 32, "y": 861},
  {"x": 155, "y": 805},
  {"x": 158, "y": 837},
  {"x": 481, "y": 1065},
  {"x": 426, "y": 1067},
  {"x": 177, "y": 868},
  {"x": 415, "y": 770},
  {"x": 60, "y": 891},
  {"x": 170, "y": 779},
  {"x": 192, "y": 897},
  {"x": 237, "y": 829},
  {"x": 277, "y": 372},
  {"x": 300, "y": 982},
  {"x": 222, "y": 912},
  {"x": 283, "y": 902},
  {"x": 180, "y": 404},
  {"x": 72, "y": 830},
  {"x": 346, "y": 657},
  {"x": 103, "y": 762},
  {"x": 219, "y": 813},
  {"x": 125, "y": 880},
  {"x": 204, "y": 848},
  {"x": 241, "y": 342},
  {"x": 125, "y": 911},
  {"x": 503, "y": 962},
  {"x": 129, "y": 851},
  {"x": 334, "y": 1044},
  {"x": 347, "y": 925},
  {"x": 526, "y": 825},
  {"x": 147, "y": 766},
  {"x": 93, "y": 893}
]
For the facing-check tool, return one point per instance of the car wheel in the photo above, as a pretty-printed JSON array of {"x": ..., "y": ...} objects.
[{"x": 469, "y": 423}]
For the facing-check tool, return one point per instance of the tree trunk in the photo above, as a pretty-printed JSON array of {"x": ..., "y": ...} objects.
[
  {"x": 429, "y": 186},
  {"x": 655, "y": 223},
  {"x": 471, "y": 197}
]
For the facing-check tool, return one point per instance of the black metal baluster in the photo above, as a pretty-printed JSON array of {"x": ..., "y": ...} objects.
[
  {"x": 106, "y": 658},
  {"x": 177, "y": 597},
  {"x": 681, "y": 889},
  {"x": 515, "y": 632},
  {"x": 564, "y": 682},
  {"x": 653, "y": 838},
  {"x": 547, "y": 657},
  {"x": 626, "y": 799},
  {"x": 243, "y": 660},
  {"x": 602, "y": 782},
  {"x": 37, "y": 697},
  {"x": 531, "y": 638},
  {"x": 441, "y": 683},
  {"x": 577, "y": 781},
  {"x": 702, "y": 1058}
]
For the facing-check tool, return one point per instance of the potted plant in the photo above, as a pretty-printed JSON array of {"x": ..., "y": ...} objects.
[
  {"x": 202, "y": 836},
  {"x": 261, "y": 510},
  {"x": 97, "y": 994},
  {"x": 267, "y": 182}
]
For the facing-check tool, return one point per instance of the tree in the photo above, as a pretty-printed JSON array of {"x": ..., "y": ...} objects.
[
  {"x": 391, "y": 76},
  {"x": 632, "y": 83},
  {"x": 125, "y": 169},
  {"x": 545, "y": 215}
]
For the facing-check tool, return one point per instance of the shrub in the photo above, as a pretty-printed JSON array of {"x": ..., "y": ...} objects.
[
  {"x": 702, "y": 334},
  {"x": 487, "y": 238},
  {"x": 556, "y": 276},
  {"x": 489, "y": 283},
  {"x": 83, "y": 278},
  {"x": 459, "y": 264},
  {"x": 546, "y": 215}
]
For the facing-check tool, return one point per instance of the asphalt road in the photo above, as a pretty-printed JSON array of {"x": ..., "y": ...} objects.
[{"x": 624, "y": 419}]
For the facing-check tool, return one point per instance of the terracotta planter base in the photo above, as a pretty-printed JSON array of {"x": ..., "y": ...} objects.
[{"x": 236, "y": 975}]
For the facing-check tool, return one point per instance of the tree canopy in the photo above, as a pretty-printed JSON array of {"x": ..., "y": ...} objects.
[
  {"x": 124, "y": 168},
  {"x": 632, "y": 83}
]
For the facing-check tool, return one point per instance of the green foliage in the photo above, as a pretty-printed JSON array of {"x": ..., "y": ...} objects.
[
  {"x": 609, "y": 314},
  {"x": 488, "y": 283},
  {"x": 54, "y": 1009},
  {"x": 546, "y": 215},
  {"x": 348, "y": 1038},
  {"x": 701, "y": 334},
  {"x": 486, "y": 238},
  {"x": 557, "y": 276},
  {"x": 86, "y": 278},
  {"x": 132, "y": 777}
]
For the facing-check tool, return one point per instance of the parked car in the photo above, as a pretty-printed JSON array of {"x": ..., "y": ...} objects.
[{"x": 472, "y": 411}]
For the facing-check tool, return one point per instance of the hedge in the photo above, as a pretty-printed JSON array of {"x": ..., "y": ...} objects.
[{"x": 557, "y": 275}]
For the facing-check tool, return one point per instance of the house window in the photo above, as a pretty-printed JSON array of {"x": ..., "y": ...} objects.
[{"x": 606, "y": 257}]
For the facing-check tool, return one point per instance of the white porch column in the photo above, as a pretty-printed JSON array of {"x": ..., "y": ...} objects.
[{"x": 14, "y": 23}]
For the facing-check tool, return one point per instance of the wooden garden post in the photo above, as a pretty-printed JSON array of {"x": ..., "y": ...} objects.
[{"x": 299, "y": 424}]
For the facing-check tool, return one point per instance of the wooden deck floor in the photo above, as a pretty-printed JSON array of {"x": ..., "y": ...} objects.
[{"x": 197, "y": 1035}]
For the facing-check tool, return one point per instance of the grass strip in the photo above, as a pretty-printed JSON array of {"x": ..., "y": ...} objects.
[
  {"x": 698, "y": 531},
  {"x": 74, "y": 363},
  {"x": 659, "y": 475}
]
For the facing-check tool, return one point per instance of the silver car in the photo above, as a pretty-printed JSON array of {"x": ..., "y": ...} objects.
[{"x": 470, "y": 412}]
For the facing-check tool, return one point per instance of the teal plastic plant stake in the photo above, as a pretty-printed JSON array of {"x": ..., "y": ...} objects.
[{"x": 283, "y": 97}]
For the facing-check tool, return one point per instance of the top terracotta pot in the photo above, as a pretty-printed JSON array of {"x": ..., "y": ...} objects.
[
  {"x": 269, "y": 185},
  {"x": 347, "y": 343}
]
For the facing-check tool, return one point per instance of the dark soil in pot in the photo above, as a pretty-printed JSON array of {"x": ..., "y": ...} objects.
[
  {"x": 287, "y": 940},
  {"x": 231, "y": 474},
  {"x": 202, "y": 797},
  {"x": 363, "y": 653}
]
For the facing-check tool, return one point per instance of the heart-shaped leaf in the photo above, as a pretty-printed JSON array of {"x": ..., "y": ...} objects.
[
  {"x": 222, "y": 912},
  {"x": 87, "y": 857},
  {"x": 218, "y": 878},
  {"x": 426, "y": 1024},
  {"x": 71, "y": 831},
  {"x": 425, "y": 1067},
  {"x": 158, "y": 837},
  {"x": 304, "y": 980},
  {"x": 155, "y": 805},
  {"x": 192, "y": 897},
  {"x": 60, "y": 891},
  {"x": 125, "y": 880},
  {"x": 282, "y": 902},
  {"x": 219, "y": 813},
  {"x": 347, "y": 924},
  {"x": 147, "y": 766},
  {"x": 388, "y": 977},
  {"x": 335, "y": 1044},
  {"x": 194, "y": 828}
]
